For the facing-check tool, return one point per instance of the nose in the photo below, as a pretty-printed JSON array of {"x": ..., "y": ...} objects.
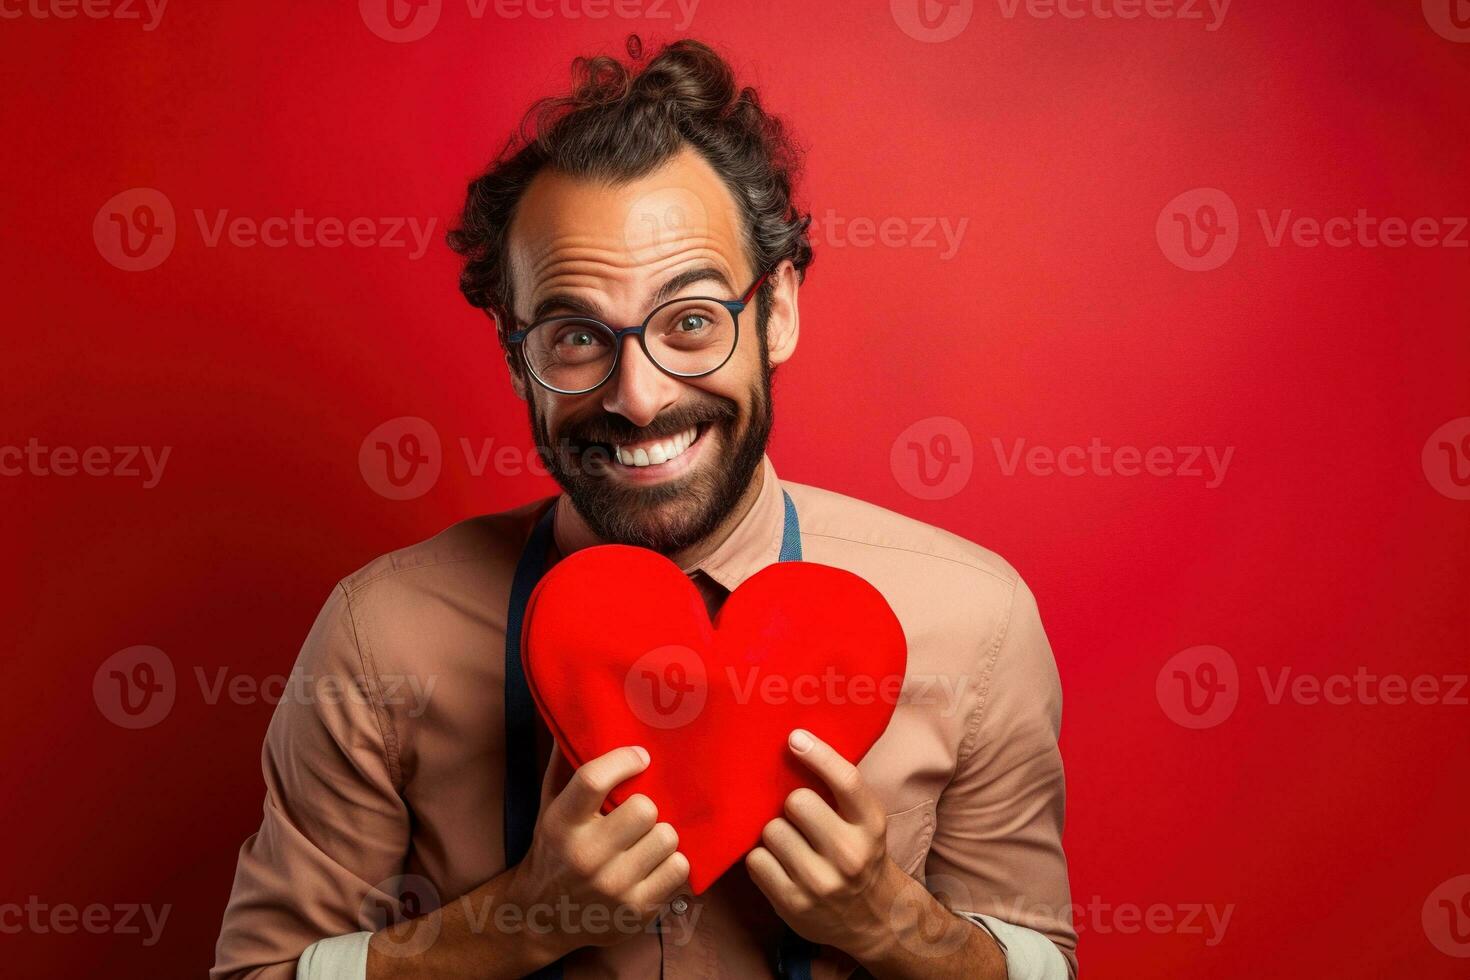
[{"x": 638, "y": 390}]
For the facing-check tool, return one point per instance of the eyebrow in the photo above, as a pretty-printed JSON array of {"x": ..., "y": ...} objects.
[{"x": 570, "y": 305}]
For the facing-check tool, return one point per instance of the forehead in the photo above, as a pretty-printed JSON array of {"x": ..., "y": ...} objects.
[{"x": 577, "y": 234}]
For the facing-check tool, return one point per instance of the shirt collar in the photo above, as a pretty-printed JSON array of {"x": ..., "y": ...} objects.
[{"x": 753, "y": 544}]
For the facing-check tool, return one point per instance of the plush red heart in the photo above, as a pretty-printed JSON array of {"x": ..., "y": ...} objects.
[{"x": 619, "y": 650}]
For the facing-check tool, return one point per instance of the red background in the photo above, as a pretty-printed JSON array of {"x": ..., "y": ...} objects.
[{"x": 1060, "y": 319}]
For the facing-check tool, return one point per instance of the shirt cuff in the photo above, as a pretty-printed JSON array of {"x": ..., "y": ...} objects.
[
  {"x": 1029, "y": 954},
  {"x": 338, "y": 958}
]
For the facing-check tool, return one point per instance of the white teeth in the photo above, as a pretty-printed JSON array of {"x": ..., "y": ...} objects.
[{"x": 659, "y": 452}]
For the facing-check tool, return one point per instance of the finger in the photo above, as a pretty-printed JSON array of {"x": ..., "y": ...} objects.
[
  {"x": 647, "y": 853},
  {"x": 828, "y": 834},
  {"x": 590, "y": 784},
  {"x": 771, "y": 878},
  {"x": 804, "y": 865},
  {"x": 664, "y": 881},
  {"x": 629, "y": 822},
  {"x": 855, "y": 801}
]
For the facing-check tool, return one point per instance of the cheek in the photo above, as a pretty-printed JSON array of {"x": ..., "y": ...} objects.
[{"x": 555, "y": 411}]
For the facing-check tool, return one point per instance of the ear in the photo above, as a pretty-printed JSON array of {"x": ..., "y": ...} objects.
[
  {"x": 518, "y": 379},
  {"x": 517, "y": 374},
  {"x": 784, "y": 325}
]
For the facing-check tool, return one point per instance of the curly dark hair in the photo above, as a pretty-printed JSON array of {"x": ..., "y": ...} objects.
[{"x": 622, "y": 122}]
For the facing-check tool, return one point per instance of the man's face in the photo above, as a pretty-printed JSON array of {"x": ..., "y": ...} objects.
[{"x": 579, "y": 247}]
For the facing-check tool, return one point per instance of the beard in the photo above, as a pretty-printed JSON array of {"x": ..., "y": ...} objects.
[{"x": 676, "y": 514}]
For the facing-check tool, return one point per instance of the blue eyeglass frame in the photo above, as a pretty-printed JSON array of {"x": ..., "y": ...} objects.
[{"x": 735, "y": 306}]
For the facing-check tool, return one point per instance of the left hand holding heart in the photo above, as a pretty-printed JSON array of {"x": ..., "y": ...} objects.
[{"x": 827, "y": 872}]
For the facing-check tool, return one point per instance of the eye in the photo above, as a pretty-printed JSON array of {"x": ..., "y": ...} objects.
[{"x": 691, "y": 322}]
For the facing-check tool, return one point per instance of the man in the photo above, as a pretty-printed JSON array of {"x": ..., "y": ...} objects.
[{"x": 659, "y": 198}]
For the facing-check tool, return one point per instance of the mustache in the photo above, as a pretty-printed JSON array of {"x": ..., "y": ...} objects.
[{"x": 607, "y": 427}]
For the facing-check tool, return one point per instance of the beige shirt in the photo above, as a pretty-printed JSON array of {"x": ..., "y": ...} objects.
[{"x": 392, "y": 762}]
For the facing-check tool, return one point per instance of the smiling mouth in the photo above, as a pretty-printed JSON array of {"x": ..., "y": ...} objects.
[{"x": 668, "y": 455}]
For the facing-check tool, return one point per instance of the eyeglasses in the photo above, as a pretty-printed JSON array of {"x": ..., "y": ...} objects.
[{"x": 688, "y": 337}]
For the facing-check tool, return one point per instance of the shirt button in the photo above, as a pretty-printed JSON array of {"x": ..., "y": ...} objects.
[{"x": 679, "y": 905}]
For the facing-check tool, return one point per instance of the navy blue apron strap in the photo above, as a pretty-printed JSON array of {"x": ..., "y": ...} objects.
[
  {"x": 794, "y": 954},
  {"x": 790, "y": 532},
  {"x": 522, "y": 778}
]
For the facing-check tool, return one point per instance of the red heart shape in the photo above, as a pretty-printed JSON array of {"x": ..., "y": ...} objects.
[{"x": 619, "y": 650}]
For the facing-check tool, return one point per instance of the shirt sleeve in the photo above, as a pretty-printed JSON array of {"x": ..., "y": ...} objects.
[
  {"x": 997, "y": 848},
  {"x": 338, "y": 958},
  {"x": 335, "y": 829},
  {"x": 1029, "y": 955}
]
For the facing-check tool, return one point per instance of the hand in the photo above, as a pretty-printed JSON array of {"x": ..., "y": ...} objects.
[
  {"x": 589, "y": 878},
  {"x": 827, "y": 873}
]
